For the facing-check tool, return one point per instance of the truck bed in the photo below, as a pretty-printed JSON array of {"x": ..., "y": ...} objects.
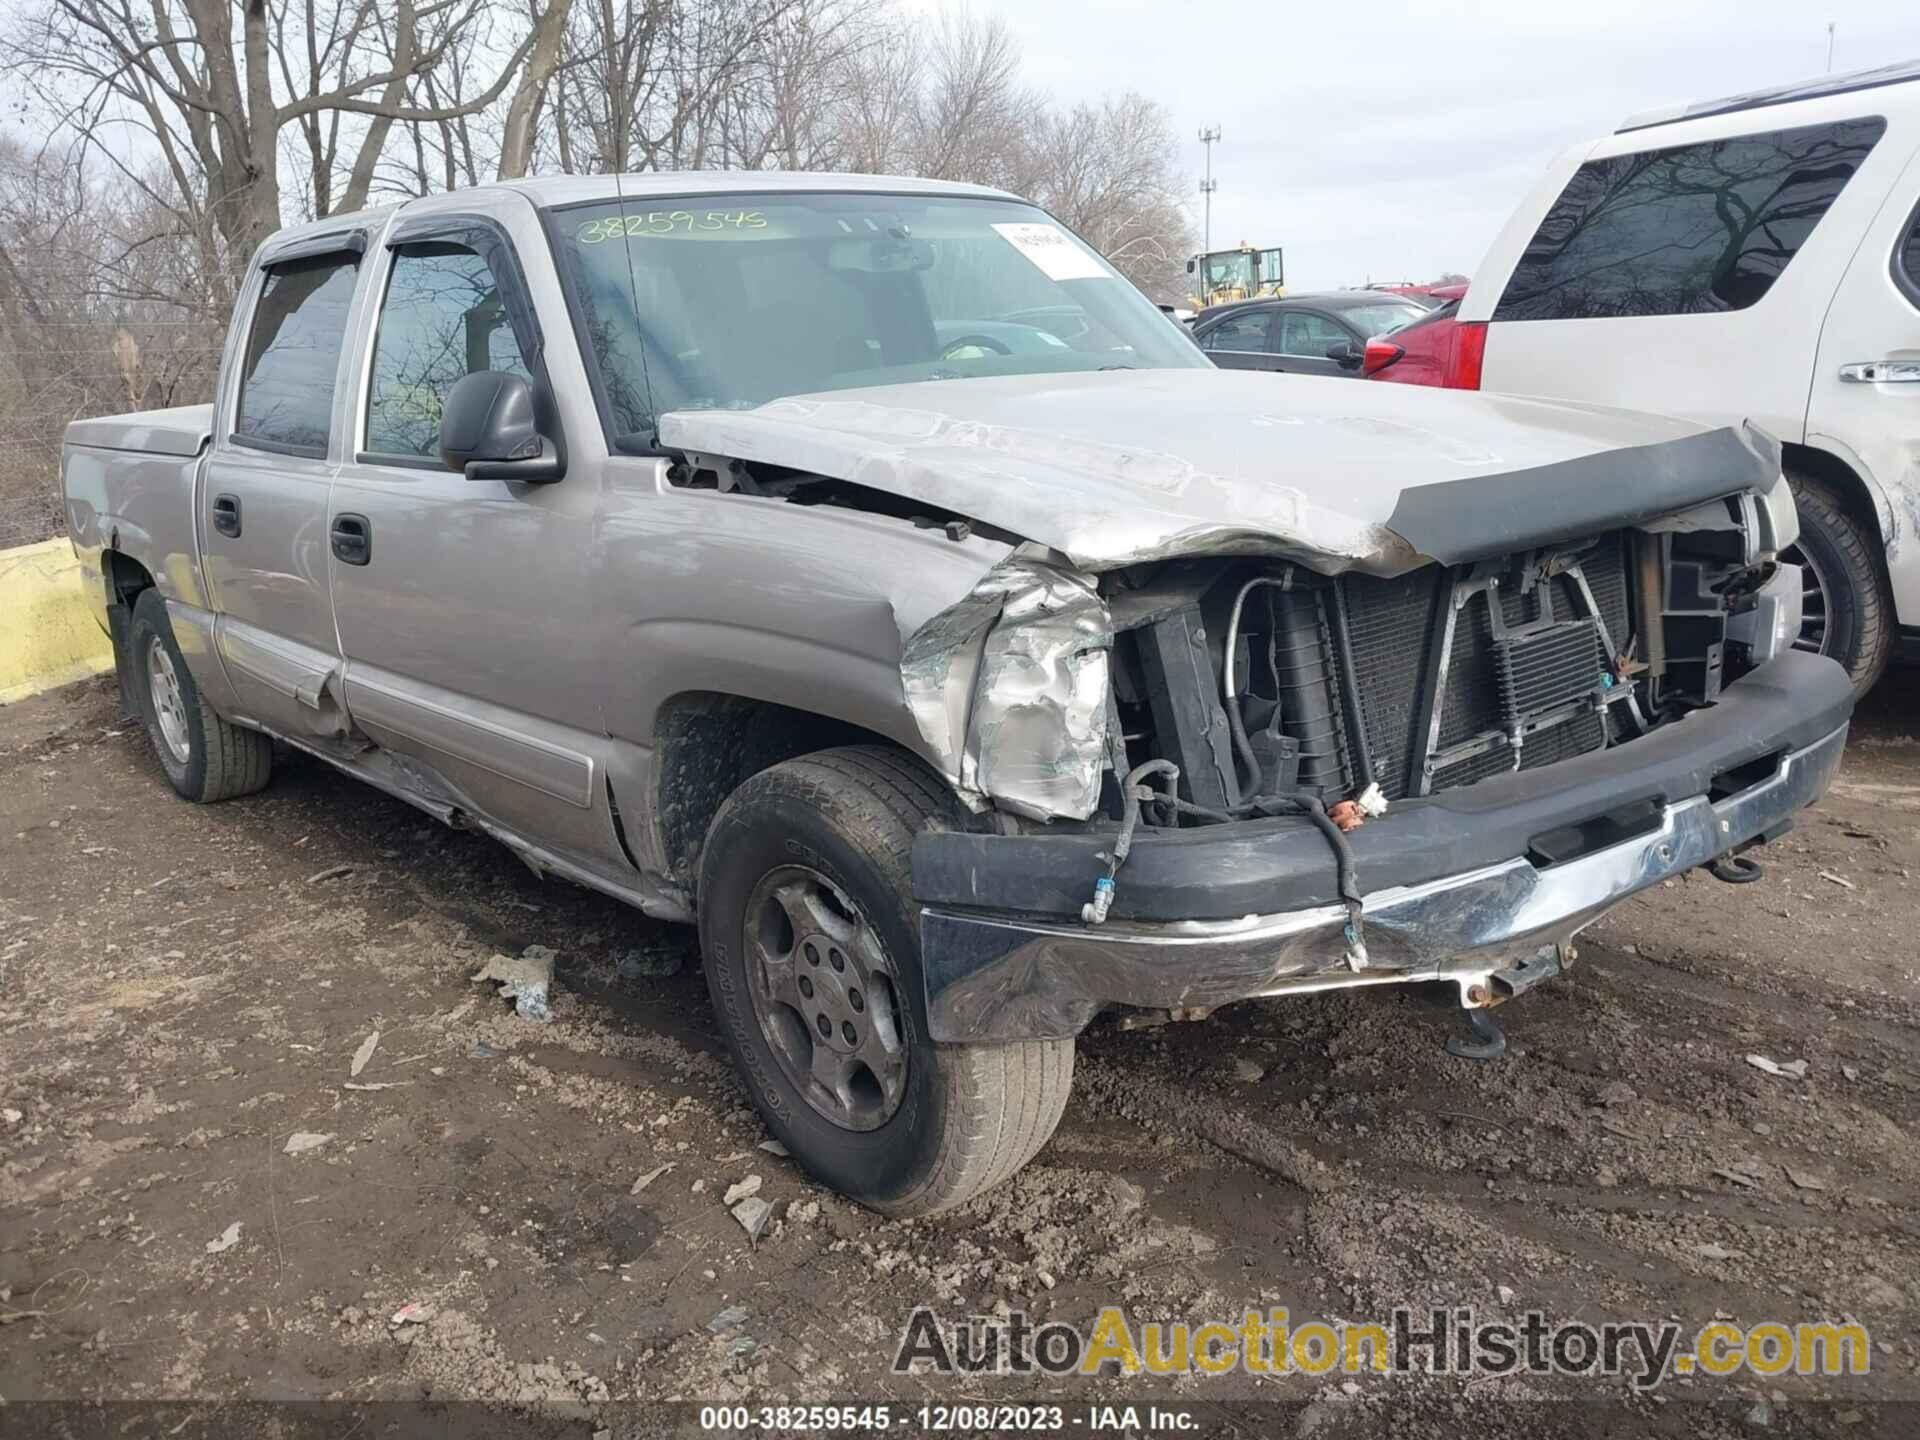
[{"x": 182, "y": 430}]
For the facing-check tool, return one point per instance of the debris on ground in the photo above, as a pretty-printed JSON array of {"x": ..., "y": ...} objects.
[
  {"x": 302, "y": 1141},
  {"x": 412, "y": 1313},
  {"x": 1247, "y": 1072},
  {"x": 332, "y": 872},
  {"x": 364, "y": 1054},
  {"x": 740, "y": 1190},
  {"x": 229, "y": 1238},
  {"x": 1804, "y": 1180},
  {"x": 377, "y": 1085},
  {"x": 1834, "y": 879},
  {"x": 774, "y": 1147},
  {"x": 730, "y": 1318},
  {"x": 155, "y": 1094},
  {"x": 651, "y": 1176},
  {"x": 526, "y": 981},
  {"x": 660, "y": 961},
  {"x": 1792, "y": 1070},
  {"x": 754, "y": 1216},
  {"x": 1748, "y": 1172}
]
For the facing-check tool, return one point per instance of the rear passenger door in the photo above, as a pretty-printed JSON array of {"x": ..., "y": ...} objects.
[
  {"x": 1242, "y": 342},
  {"x": 262, "y": 501},
  {"x": 465, "y": 606},
  {"x": 1865, "y": 401}
]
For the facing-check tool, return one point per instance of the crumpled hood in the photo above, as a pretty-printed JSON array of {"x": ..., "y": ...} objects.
[{"x": 1115, "y": 467}]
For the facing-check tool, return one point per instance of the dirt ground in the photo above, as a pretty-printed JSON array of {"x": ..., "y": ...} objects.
[{"x": 184, "y": 989}]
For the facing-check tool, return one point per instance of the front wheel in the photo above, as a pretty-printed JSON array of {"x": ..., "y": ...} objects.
[
  {"x": 810, "y": 936},
  {"x": 205, "y": 758},
  {"x": 1845, "y": 610}
]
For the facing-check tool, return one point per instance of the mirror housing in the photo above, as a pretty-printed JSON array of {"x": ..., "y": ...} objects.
[
  {"x": 490, "y": 430},
  {"x": 1343, "y": 354}
]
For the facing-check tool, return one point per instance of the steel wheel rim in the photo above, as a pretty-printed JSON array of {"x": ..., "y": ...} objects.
[
  {"x": 169, "y": 706},
  {"x": 826, "y": 997},
  {"x": 1816, "y": 634}
]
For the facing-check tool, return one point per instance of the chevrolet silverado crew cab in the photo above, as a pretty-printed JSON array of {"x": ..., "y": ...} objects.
[
  {"x": 1755, "y": 258},
  {"x": 862, "y": 569}
]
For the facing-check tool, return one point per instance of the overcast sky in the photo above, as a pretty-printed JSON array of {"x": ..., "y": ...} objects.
[{"x": 1385, "y": 140}]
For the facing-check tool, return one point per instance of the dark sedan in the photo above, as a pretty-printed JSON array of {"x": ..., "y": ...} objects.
[{"x": 1302, "y": 334}]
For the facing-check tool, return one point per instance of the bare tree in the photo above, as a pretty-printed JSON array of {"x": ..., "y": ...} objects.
[{"x": 212, "y": 86}]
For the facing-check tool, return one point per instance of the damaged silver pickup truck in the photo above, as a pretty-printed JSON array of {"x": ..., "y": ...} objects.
[{"x": 864, "y": 570}]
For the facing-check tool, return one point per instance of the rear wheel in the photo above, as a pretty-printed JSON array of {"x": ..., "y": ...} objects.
[
  {"x": 1846, "y": 612},
  {"x": 810, "y": 936},
  {"x": 205, "y": 758}
]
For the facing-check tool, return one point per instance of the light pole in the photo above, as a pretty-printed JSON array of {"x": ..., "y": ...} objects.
[{"x": 1208, "y": 138}]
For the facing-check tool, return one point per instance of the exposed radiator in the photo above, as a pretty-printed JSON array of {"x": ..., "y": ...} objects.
[{"x": 1490, "y": 683}]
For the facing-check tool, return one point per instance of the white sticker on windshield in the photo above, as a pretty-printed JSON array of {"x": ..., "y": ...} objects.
[{"x": 1057, "y": 254}]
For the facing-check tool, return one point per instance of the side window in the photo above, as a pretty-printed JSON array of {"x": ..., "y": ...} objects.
[
  {"x": 1906, "y": 261},
  {"x": 1240, "y": 332},
  {"x": 293, "y": 354},
  {"x": 441, "y": 319},
  {"x": 1690, "y": 230},
  {"x": 1307, "y": 334}
]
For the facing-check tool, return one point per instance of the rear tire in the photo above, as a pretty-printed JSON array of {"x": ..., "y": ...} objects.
[
  {"x": 828, "y": 837},
  {"x": 205, "y": 758},
  {"x": 1847, "y": 612}
]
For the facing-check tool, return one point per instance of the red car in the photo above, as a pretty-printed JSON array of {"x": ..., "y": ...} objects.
[{"x": 1437, "y": 349}]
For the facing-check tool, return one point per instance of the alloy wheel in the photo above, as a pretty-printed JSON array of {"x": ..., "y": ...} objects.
[{"x": 826, "y": 995}]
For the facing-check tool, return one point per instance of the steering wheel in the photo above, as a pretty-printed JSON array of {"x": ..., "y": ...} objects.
[{"x": 974, "y": 342}]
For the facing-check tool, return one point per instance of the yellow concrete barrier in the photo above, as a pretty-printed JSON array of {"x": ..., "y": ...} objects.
[{"x": 48, "y": 635}]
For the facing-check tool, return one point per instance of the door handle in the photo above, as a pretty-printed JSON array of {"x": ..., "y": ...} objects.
[
  {"x": 352, "y": 538},
  {"x": 1881, "y": 372},
  {"x": 226, "y": 514}
]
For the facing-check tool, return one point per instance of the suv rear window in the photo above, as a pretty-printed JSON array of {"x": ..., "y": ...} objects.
[{"x": 1690, "y": 230}]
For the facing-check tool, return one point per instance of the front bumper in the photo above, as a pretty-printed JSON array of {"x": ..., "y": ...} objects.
[{"x": 1716, "y": 781}]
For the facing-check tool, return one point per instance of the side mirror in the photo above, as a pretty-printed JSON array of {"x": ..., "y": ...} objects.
[
  {"x": 1190, "y": 267},
  {"x": 1344, "y": 354},
  {"x": 489, "y": 430}
]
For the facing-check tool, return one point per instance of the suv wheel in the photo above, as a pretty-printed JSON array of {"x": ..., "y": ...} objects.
[
  {"x": 1846, "y": 612},
  {"x": 810, "y": 935},
  {"x": 205, "y": 758}
]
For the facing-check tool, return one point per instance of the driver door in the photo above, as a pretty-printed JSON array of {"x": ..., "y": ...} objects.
[{"x": 1305, "y": 337}]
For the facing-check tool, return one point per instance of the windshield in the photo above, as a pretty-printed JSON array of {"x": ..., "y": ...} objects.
[
  {"x": 729, "y": 301},
  {"x": 1229, "y": 267},
  {"x": 1384, "y": 318}
]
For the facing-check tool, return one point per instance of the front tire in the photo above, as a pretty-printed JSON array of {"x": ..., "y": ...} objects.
[
  {"x": 205, "y": 758},
  {"x": 810, "y": 936},
  {"x": 1846, "y": 610}
]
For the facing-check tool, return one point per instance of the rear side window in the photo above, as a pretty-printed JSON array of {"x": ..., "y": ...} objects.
[
  {"x": 1906, "y": 261},
  {"x": 1686, "y": 231},
  {"x": 293, "y": 354},
  {"x": 442, "y": 320},
  {"x": 1240, "y": 332}
]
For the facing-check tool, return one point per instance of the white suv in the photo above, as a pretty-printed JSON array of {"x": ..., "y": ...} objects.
[{"x": 1755, "y": 258}]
